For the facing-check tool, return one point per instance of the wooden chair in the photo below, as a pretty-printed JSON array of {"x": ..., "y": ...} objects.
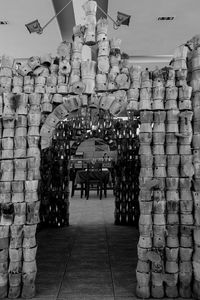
[
  {"x": 95, "y": 183},
  {"x": 74, "y": 185}
]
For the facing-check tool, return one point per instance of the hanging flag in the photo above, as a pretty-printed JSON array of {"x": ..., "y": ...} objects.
[
  {"x": 34, "y": 26},
  {"x": 123, "y": 19}
]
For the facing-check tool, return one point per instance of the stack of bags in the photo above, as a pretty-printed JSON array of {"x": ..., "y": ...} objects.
[
  {"x": 185, "y": 193},
  {"x": 168, "y": 209},
  {"x": 194, "y": 68},
  {"x": 159, "y": 198},
  {"x": 103, "y": 63},
  {"x": 172, "y": 189},
  {"x": 134, "y": 92},
  {"x": 143, "y": 272},
  {"x": 20, "y": 163}
]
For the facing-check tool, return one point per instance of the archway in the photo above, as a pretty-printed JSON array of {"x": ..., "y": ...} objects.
[{"x": 78, "y": 125}]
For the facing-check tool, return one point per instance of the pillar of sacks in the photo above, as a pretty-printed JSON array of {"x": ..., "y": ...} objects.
[
  {"x": 186, "y": 171},
  {"x": 172, "y": 190},
  {"x": 103, "y": 59},
  {"x": 145, "y": 196},
  {"x": 88, "y": 66},
  {"x": 134, "y": 91},
  {"x": 165, "y": 249},
  {"x": 8, "y": 260},
  {"x": 194, "y": 80},
  {"x": 20, "y": 163},
  {"x": 159, "y": 172}
]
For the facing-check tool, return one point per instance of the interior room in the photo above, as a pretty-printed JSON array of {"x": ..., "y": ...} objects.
[{"x": 99, "y": 149}]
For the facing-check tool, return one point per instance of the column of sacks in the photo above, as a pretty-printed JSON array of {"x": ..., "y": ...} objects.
[
  {"x": 194, "y": 67},
  {"x": 20, "y": 163},
  {"x": 156, "y": 257},
  {"x": 185, "y": 183},
  {"x": 7, "y": 266},
  {"x": 186, "y": 171},
  {"x": 182, "y": 223},
  {"x": 172, "y": 190},
  {"x": 166, "y": 204},
  {"x": 145, "y": 195}
]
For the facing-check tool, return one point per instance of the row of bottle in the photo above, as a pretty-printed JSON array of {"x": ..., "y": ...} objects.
[
  {"x": 127, "y": 173},
  {"x": 55, "y": 184}
]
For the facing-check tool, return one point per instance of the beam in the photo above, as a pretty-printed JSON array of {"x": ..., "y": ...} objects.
[
  {"x": 150, "y": 59},
  {"x": 65, "y": 19},
  {"x": 73, "y": 14}
]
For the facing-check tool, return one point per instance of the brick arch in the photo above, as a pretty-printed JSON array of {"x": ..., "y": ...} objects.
[{"x": 71, "y": 105}]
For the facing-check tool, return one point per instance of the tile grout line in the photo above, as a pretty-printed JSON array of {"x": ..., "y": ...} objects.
[
  {"x": 70, "y": 252},
  {"x": 106, "y": 232}
]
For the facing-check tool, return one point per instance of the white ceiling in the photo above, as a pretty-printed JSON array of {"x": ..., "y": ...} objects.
[
  {"x": 15, "y": 38},
  {"x": 144, "y": 37}
]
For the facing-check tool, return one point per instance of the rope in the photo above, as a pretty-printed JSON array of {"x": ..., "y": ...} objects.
[
  {"x": 55, "y": 15},
  {"x": 107, "y": 15},
  {"x": 115, "y": 24}
]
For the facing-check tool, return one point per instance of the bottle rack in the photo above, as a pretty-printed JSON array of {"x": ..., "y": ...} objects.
[
  {"x": 127, "y": 170},
  {"x": 55, "y": 170}
]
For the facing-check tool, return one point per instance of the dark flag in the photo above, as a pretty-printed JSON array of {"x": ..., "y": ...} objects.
[{"x": 34, "y": 26}]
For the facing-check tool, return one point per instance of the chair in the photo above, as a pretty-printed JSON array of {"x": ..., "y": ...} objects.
[
  {"x": 74, "y": 185},
  {"x": 94, "y": 179}
]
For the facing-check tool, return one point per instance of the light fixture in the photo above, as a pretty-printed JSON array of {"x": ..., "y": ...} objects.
[
  {"x": 122, "y": 19},
  {"x": 166, "y": 18}
]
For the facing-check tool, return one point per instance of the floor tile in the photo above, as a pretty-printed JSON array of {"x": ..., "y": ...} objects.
[
  {"x": 86, "y": 286},
  {"x": 92, "y": 259},
  {"x": 124, "y": 286},
  {"x": 86, "y": 297},
  {"x": 127, "y": 298}
]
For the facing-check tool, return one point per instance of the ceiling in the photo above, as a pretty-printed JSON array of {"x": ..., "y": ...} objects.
[
  {"x": 15, "y": 38},
  {"x": 146, "y": 39},
  {"x": 146, "y": 35}
]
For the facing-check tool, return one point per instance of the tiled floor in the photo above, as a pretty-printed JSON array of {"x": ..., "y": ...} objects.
[{"x": 92, "y": 259}]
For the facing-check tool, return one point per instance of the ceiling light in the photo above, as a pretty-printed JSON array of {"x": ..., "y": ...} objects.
[{"x": 166, "y": 18}]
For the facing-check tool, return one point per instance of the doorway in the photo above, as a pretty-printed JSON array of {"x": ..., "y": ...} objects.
[
  {"x": 94, "y": 258},
  {"x": 122, "y": 139}
]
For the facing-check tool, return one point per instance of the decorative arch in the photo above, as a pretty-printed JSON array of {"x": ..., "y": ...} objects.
[
  {"x": 71, "y": 106},
  {"x": 55, "y": 205},
  {"x": 103, "y": 125}
]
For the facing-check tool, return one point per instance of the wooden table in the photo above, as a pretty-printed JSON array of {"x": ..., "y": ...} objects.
[{"x": 81, "y": 175}]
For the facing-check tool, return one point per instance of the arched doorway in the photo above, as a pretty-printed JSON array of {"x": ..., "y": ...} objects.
[
  {"x": 66, "y": 133},
  {"x": 102, "y": 255}
]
